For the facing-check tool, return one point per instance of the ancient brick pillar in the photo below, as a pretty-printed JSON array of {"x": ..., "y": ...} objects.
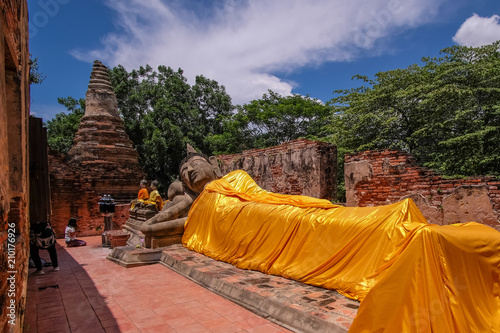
[
  {"x": 101, "y": 138},
  {"x": 14, "y": 163}
]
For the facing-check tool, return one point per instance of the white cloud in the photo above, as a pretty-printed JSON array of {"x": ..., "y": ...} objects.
[
  {"x": 478, "y": 31},
  {"x": 240, "y": 43}
]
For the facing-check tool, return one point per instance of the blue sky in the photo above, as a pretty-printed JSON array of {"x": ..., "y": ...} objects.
[{"x": 289, "y": 46}]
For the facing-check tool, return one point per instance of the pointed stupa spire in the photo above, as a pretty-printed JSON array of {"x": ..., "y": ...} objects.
[
  {"x": 99, "y": 79},
  {"x": 100, "y": 98},
  {"x": 101, "y": 138}
]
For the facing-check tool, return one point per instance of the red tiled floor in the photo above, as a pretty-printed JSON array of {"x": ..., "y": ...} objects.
[
  {"x": 268, "y": 328},
  {"x": 221, "y": 325},
  {"x": 248, "y": 323},
  {"x": 92, "y": 294},
  {"x": 181, "y": 321},
  {"x": 192, "y": 328}
]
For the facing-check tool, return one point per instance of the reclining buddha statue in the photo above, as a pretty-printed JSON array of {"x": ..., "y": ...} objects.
[{"x": 410, "y": 276}]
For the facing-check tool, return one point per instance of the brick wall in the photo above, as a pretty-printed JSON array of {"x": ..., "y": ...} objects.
[
  {"x": 14, "y": 162},
  {"x": 296, "y": 167},
  {"x": 382, "y": 177},
  {"x": 76, "y": 191}
]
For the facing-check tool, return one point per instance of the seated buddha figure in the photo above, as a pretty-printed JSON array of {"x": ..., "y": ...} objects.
[
  {"x": 154, "y": 199},
  {"x": 151, "y": 201},
  {"x": 196, "y": 171},
  {"x": 141, "y": 196}
]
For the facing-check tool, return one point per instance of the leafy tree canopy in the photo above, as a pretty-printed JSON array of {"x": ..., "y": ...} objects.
[
  {"x": 270, "y": 121},
  {"x": 162, "y": 113},
  {"x": 62, "y": 129},
  {"x": 445, "y": 112}
]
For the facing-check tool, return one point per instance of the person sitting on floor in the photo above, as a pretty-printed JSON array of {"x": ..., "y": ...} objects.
[{"x": 70, "y": 234}]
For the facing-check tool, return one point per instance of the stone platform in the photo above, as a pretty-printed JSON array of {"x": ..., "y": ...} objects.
[
  {"x": 130, "y": 256},
  {"x": 292, "y": 304}
]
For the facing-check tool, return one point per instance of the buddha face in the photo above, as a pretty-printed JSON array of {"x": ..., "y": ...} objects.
[{"x": 196, "y": 173}]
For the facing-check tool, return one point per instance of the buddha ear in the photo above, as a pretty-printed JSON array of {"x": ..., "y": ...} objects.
[{"x": 215, "y": 163}]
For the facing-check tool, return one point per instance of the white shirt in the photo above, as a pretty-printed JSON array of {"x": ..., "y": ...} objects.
[{"x": 67, "y": 233}]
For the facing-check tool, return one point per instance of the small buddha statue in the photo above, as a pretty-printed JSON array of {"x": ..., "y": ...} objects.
[
  {"x": 142, "y": 196},
  {"x": 155, "y": 200},
  {"x": 143, "y": 192}
]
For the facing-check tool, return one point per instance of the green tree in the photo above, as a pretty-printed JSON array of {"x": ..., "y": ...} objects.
[
  {"x": 35, "y": 76},
  {"x": 62, "y": 129},
  {"x": 270, "y": 121},
  {"x": 444, "y": 112},
  {"x": 162, "y": 113}
]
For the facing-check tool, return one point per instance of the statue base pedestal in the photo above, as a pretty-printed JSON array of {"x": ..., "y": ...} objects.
[
  {"x": 134, "y": 223},
  {"x": 130, "y": 256},
  {"x": 138, "y": 218},
  {"x": 157, "y": 242},
  {"x": 273, "y": 297}
]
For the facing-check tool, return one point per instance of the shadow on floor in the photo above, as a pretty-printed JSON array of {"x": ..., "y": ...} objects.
[{"x": 66, "y": 300}]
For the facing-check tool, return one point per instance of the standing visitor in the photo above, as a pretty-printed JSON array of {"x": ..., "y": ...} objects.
[{"x": 42, "y": 237}]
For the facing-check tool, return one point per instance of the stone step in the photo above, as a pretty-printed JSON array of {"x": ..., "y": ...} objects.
[
  {"x": 101, "y": 81},
  {"x": 103, "y": 76},
  {"x": 100, "y": 86}
]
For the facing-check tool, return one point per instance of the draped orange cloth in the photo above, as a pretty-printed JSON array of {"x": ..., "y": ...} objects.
[
  {"x": 143, "y": 194},
  {"x": 410, "y": 276}
]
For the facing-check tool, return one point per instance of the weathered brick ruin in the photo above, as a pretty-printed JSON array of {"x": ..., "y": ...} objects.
[
  {"x": 14, "y": 162},
  {"x": 382, "y": 177},
  {"x": 101, "y": 161},
  {"x": 296, "y": 167}
]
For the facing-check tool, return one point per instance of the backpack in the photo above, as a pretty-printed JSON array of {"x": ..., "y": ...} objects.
[{"x": 46, "y": 239}]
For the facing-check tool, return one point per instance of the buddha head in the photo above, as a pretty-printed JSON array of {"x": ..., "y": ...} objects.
[
  {"x": 175, "y": 189},
  {"x": 197, "y": 170}
]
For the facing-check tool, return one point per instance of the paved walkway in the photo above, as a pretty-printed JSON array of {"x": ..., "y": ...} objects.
[{"x": 92, "y": 294}]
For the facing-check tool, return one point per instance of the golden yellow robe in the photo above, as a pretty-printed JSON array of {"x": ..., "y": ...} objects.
[
  {"x": 410, "y": 276},
  {"x": 155, "y": 199},
  {"x": 152, "y": 199}
]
